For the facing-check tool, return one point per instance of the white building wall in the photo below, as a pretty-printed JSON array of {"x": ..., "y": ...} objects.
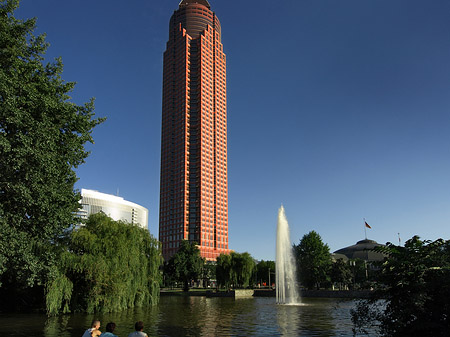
[{"x": 115, "y": 207}]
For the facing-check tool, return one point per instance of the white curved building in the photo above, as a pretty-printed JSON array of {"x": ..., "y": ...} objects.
[{"x": 115, "y": 207}]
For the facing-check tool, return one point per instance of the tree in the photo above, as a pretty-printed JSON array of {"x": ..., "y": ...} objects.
[
  {"x": 263, "y": 268},
  {"x": 234, "y": 269},
  {"x": 364, "y": 273},
  {"x": 341, "y": 274},
  {"x": 242, "y": 266},
  {"x": 224, "y": 271},
  {"x": 313, "y": 260},
  {"x": 413, "y": 292},
  {"x": 169, "y": 277},
  {"x": 105, "y": 266},
  {"x": 208, "y": 273},
  {"x": 186, "y": 264},
  {"x": 42, "y": 138}
]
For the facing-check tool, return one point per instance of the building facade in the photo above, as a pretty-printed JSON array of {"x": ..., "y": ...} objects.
[
  {"x": 363, "y": 250},
  {"x": 194, "y": 181},
  {"x": 115, "y": 207}
]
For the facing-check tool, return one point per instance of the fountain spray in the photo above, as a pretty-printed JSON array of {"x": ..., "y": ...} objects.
[{"x": 286, "y": 271}]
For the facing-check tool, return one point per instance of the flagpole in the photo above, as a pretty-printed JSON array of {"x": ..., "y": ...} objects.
[{"x": 365, "y": 229}]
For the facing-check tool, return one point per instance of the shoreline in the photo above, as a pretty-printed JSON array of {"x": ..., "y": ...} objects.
[{"x": 349, "y": 294}]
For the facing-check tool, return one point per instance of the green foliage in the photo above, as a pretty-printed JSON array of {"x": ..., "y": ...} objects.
[
  {"x": 263, "y": 268},
  {"x": 186, "y": 265},
  {"x": 224, "y": 271},
  {"x": 234, "y": 269},
  {"x": 208, "y": 273},
  {"x": 313, "y": 259},
  {"x": 108, "y": 266},
  {"x": 59, "y": 293},
  {"x": 242, "y": 267},
  {"x": 412, "y": 298},
  {"x": 341, "y": 274},
  {"x": 364, "y": 273},
  {"x": 42, "y": 138}
]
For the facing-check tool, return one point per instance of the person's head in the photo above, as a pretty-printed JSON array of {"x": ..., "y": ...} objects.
[
  {"x": 110, "y": 327},
  {"x": 139, "y": 326},
  {"x": 95, "y": 324}
]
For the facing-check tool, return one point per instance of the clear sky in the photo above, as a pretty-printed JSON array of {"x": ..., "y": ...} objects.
[{"x": 339, "y": 110}]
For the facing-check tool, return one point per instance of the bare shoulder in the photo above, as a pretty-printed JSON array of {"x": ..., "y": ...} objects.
[{"x": 95, "y": 333}]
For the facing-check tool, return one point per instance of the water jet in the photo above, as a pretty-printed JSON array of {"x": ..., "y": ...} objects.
[{"x": 286, "y": 271}]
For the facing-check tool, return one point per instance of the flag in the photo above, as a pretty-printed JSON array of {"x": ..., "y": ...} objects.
[{"x": 367, "y": 225}]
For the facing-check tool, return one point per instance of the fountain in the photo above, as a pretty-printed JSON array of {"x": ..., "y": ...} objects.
[{"x": 286, "y": 271}]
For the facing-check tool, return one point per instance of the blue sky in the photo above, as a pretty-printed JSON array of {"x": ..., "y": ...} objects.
[{"x": 339, "y": 110}]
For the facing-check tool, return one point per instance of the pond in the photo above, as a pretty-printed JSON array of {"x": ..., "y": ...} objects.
[{"x": 200, "y": 316}]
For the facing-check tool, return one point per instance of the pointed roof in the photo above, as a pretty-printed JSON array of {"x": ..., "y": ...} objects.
[{"x": 201, "y": 2}]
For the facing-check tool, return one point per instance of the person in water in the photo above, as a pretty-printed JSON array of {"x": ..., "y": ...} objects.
[
  {"x": 95, "y": 325},
  {"x": 109, "y": 330},
  {"x": 139, "y": 326},
  {"x": 96, "y": 333}
]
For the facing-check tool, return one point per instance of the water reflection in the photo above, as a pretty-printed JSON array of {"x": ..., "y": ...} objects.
[
  {"x": 312, "y": 319},
  {"x": 201, "y": 316},
  {"x": 57, "y": 326}
]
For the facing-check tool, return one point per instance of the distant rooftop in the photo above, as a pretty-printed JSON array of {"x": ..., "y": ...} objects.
[
  {"x": 200, "y": 2},
  {"x": 85, "y": 193},
  {"x": 362, "y": 250},
  {"x": 114, "y": 206}
]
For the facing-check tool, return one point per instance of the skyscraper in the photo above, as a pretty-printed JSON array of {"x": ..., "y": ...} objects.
[{"x": 194, "y": 182}]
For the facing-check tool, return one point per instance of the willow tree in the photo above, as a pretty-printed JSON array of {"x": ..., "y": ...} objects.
[
  {"x": 42, "y": 139},
  {"x": 224, "y": 271},
  {"x": 242, "y": 265},
  {"x": 234, "y": 269},
  {"x": 106, "y": 266}
]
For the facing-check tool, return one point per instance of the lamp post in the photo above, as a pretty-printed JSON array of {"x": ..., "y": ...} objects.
[{"x": 353, "y": 264}]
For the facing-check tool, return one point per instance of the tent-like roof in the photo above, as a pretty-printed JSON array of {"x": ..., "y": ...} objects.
[
  {"x": 362, "y": 250},
  {"x": 201, "y": 2}
]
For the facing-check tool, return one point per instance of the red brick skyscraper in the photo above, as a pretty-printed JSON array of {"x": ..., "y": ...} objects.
[{"x": 194, "y": 188}]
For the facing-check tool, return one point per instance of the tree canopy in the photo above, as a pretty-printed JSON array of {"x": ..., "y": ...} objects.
[
  {"x": 263, "y": 269},
  {"x": 313, "y": 259},
  {"x": 42, "y": 138},
  {"x": 235, "y": 269},
  {"x": 341, "y": 274},
  {"x": 242, "y": 266},
  {"x": 186, "y": 265},
  {"x": 413, "y": 291},
  {"x": 105, "y": 265},
  {"x": 224, "y": 272}
]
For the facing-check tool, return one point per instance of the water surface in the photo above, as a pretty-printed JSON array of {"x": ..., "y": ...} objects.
[{"x": 200, "y": 316}]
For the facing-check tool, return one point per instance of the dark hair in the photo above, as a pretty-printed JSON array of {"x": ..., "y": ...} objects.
[
  {"x": 110, "y": 327},
  {"x": 139, "y": 326}
]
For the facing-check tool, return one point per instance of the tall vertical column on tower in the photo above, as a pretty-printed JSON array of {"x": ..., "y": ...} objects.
[{"x": 194, "y": 180}]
